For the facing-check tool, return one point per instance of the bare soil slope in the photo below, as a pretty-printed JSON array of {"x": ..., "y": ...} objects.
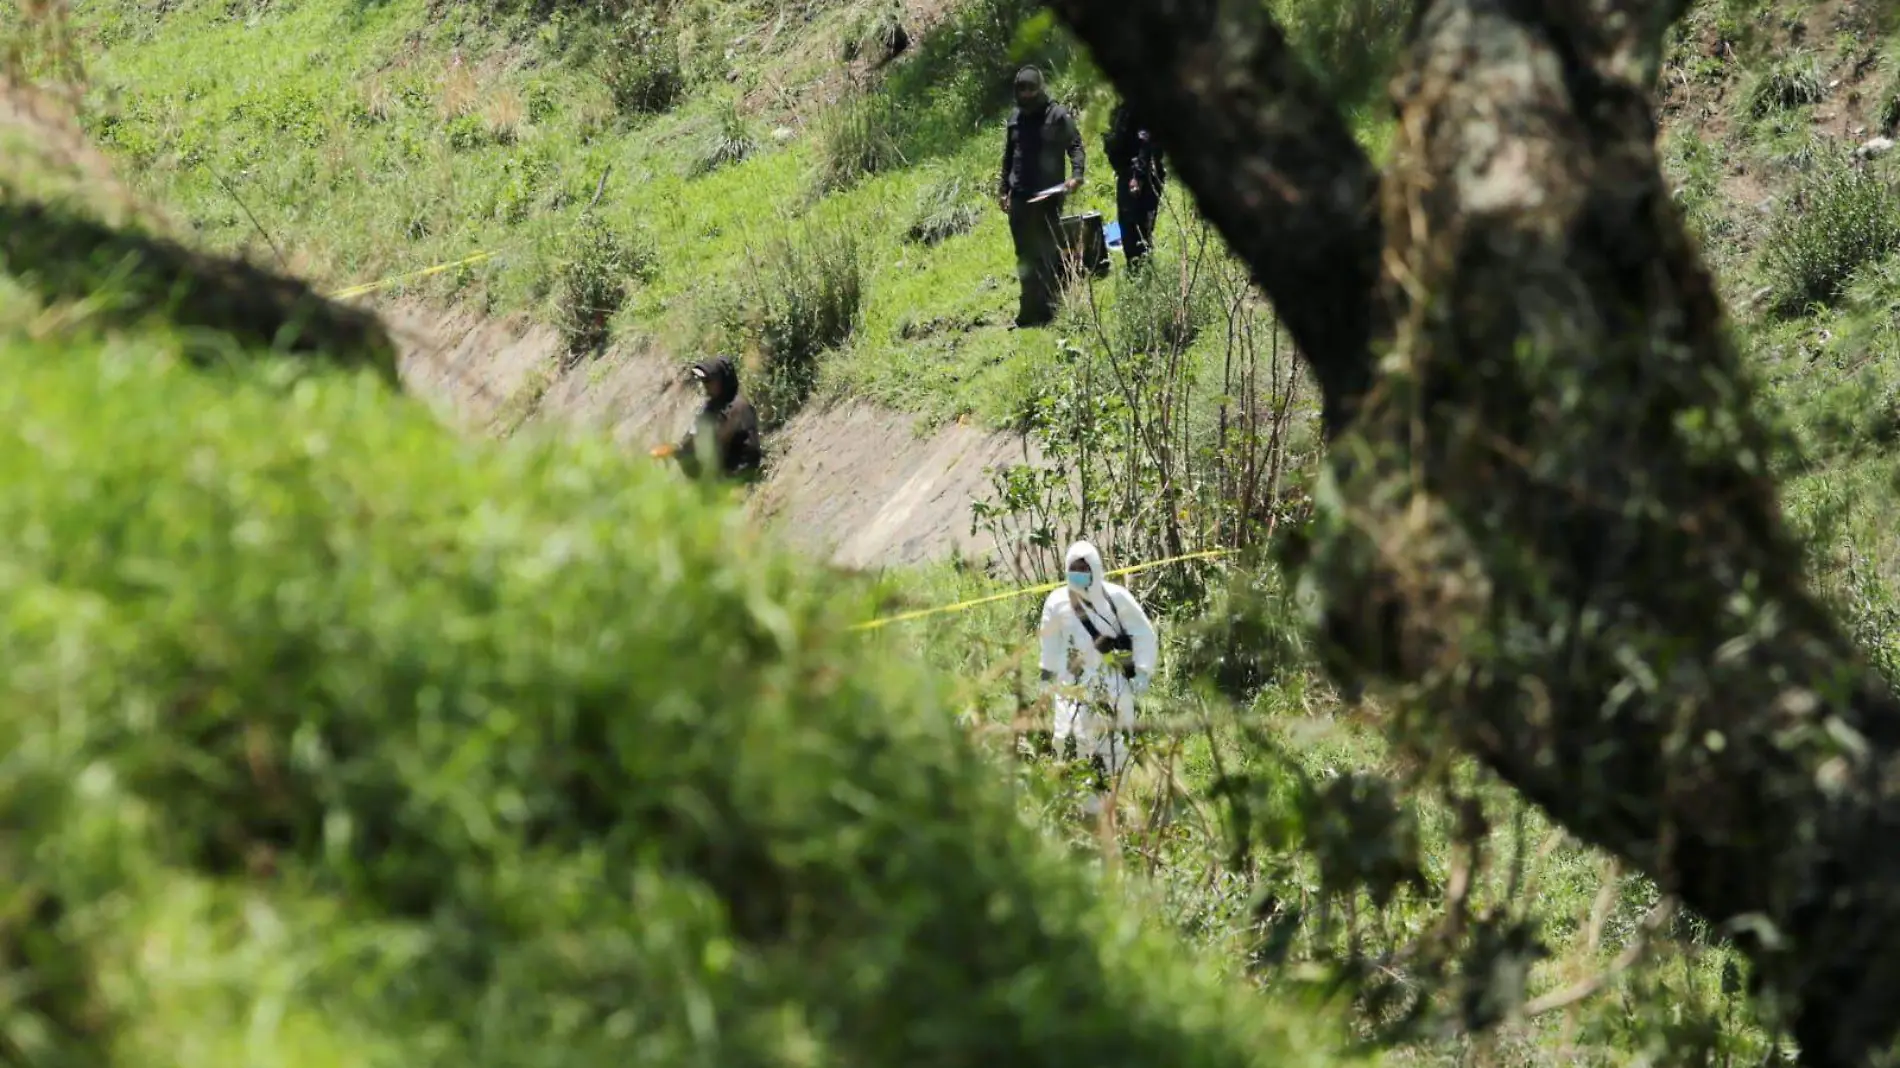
[{"x": 854, "y": 483}]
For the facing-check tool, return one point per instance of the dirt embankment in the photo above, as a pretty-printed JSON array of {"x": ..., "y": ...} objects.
[{"x": 857, "y": 484}]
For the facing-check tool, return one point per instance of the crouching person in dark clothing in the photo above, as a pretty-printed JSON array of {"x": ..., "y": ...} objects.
[
  {"x": 728, "y": 423},
  {"x": 1135, "y": 155},
  {"x": 1041, "y": 136}
]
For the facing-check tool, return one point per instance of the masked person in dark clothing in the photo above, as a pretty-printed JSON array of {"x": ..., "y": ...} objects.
[
  {"x": 1135, "y": 154},
  {"x": 728, "y": 417},
  {"x": 1041, "y": 134}
]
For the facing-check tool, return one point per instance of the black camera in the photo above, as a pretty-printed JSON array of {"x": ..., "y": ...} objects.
[{"x": 1120, "y": 643}]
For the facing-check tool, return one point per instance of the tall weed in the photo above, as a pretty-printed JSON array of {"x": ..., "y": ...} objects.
[
  {"x": 1841, "y": 219},
  {"x": 860, "y": 139},
  {"x": 730, "y": 142},
  {"x": 601, "y": 265},
  {"x": 1784, "y": 86},
  {"x": 945, "y": 208},
  {"x": 643, "y": 70},
  {"x": 807, "y": 298}
]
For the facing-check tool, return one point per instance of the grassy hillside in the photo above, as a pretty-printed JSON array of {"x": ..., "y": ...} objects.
[
  {"x": 380, "y": 137},
  {"x": 334, "y": 740},
  {"x": 540, "y": 746}
]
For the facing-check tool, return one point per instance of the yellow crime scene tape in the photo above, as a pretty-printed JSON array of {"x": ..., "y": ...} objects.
[
  {"x": 371, "y": 287},
  {"x": 964, "y": 606}
]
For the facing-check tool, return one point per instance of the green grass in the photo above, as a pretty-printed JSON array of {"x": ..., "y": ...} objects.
[
  {"x": 335, "y": 739},
  {"x": 368, "y": 156},
  {"x": 340, "y": 125}
]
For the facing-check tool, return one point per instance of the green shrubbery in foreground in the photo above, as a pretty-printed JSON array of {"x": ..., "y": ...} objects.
[{"x": 331, "y": 739}]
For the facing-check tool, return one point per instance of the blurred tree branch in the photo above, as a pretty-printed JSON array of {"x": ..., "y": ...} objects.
[{"x": 1549, "y": 521}]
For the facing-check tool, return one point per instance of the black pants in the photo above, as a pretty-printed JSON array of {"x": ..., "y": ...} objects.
[
  {"x": 1136, "y": 212},
  {"x": 1036, "y": 229}
]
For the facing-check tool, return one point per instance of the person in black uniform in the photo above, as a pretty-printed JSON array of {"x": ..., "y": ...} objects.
[
  {"x": 1135, "y": 155},
  {"x": 1040, "y": 135},
  {"x": 730, "y": 419}
]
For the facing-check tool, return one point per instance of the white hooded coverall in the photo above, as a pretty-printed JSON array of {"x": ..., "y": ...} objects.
[{"x": 1071, "y": 660}]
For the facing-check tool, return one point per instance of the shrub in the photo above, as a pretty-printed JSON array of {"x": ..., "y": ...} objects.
[
  {"x": 859, "y": 140},
  {"x": 1352, "y": 44},
  {"x": 644, "y": 73},
  {"x": 959, "y": 73},
  {"x": 1250, "y": 636},
  {"x": 944, "y": 210},
  {"x": 594, "y": 279},
  {"x": 1159, "y": 309},
  {"x": 807, "y": 298},
  {"x": 1841, "y": 219},
  {"x": 467, "y": 132},
  {"x": 731, "y": 142},
  {"x": 332, "y": 738},
  {"x": 1785, "y": 86}
]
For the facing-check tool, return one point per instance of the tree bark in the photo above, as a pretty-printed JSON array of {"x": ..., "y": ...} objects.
[{"x": 1550, "y": 523}]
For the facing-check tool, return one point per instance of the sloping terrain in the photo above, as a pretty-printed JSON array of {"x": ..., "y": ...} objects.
[
  {"x": 507, "y": 588},
  {"x": 865, "y": 486}
]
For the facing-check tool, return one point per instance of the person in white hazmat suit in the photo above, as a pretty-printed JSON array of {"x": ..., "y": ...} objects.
[{"x": 1098, "y": 655}]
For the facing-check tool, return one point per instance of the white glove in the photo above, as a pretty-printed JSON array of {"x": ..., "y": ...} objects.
[{"x": 1140, "y": 682}]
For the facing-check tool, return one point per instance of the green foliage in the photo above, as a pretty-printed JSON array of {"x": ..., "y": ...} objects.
[
  {"x": 334, "y": 739},
  {"x": 807, "y": 297},
  {"x": 959, "y": 75},
  {"x": 1353, "y": 45},
  {"x": 124, "y": 277},
  {"x": 730, "y": 142},
  {"x": 1840, "y": 220},
  {"x": 643, "y": 68},
  {"x": 601, "y": 264},
  {"x": 1161, "y": 309},
  {"x": 945, "y": 209},
  {"x": 877, "y": 34},
  {"x": 1250, "y": 637},
  {"x": 1873, "y": 615},
  {"x": 859, "y": 140},
  {"x": 1784, "y": 86}
]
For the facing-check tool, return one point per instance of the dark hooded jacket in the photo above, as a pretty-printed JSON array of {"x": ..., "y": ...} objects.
[
  {"x": 1034, "y": 144},
  {"x": 731, "y": 420},
  {"x": 1132, "y": 149}
]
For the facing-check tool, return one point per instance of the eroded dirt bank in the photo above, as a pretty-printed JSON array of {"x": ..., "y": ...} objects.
[{"x": 851, "y": 482}]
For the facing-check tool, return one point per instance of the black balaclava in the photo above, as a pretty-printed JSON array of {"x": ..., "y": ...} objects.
[
  {"x": 723, "y": 375},
  {"x": 1031, "y": 78}
]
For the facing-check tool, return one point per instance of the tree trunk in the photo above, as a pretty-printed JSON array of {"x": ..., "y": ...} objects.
[{"x": 1550, "y": 524}]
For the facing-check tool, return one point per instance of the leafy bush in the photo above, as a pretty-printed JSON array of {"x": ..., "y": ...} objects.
[
  {"x": 1250, "y": 636},
  {"x": 959, "y": 73},
  {"x": 730, "y": 143},
  {"x": 807, "y": 298},
  {"x": 600, "y": 265},
  {"x": 945, "y": 208},
  {"x": 1160, "y": 309},
  {"x": 1353, "y": 45},
  {"x": 1784, "y": 86},
  {"x": 859, "y": 140},
  {"x": 644, "y": 72},
  {"x": 1841, "y": 219},
  {"x": 332, "y": 738}
]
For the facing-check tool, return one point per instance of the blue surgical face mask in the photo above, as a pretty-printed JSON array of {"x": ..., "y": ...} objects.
[{"x": 1080, "y": 579}]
